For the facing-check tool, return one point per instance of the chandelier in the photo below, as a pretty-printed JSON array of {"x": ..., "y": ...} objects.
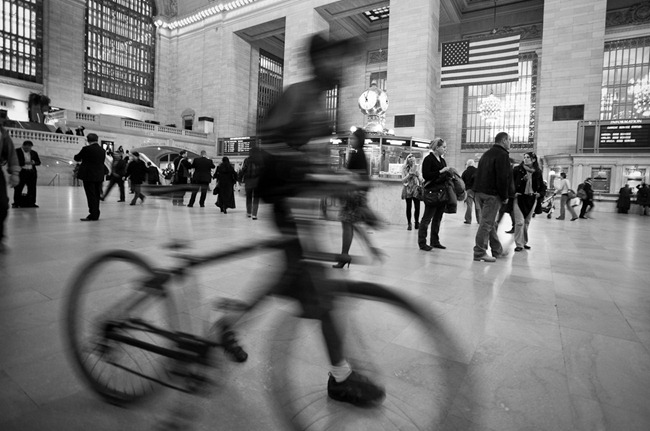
[
  {"x": 490, "y": 109},
  {"x": 641, "y": 89}
]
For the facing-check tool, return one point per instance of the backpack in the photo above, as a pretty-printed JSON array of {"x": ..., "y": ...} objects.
[{"x": 581, "y": 193}]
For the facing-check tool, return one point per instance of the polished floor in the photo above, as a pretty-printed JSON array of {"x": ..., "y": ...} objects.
[{"x": 554, "y": 338}]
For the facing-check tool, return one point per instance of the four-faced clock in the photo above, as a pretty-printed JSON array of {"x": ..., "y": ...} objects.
[
  {"x": 368, "y": 100},
  {"x": 383, "y": 101}
]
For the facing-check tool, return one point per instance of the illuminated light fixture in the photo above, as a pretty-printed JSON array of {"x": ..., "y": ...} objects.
[
  {"x": 490, "y": 109},
  {"x": 201, "y": 15}
]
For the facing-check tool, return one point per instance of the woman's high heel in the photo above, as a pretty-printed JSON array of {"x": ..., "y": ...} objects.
[{"x": 343, "y": 260}]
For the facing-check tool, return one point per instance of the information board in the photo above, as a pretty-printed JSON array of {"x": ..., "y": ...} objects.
[
  {"x": 624, "y": 134},
  {"x": 235, "y": 146}
]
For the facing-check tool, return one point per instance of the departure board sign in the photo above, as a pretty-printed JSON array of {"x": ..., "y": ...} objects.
[
  {"x": 624, "y": 134},
  {"x": 235, "y": 146}
]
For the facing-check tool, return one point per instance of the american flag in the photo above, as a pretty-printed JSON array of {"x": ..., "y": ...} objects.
[{"x": 480, "y": 62}]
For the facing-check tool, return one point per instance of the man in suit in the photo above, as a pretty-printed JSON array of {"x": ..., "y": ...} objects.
[
  {"x": 8, "y": 156},
  {"x": 91, "y": 172},
  {"x": 28, "y": 160},
  {"x": 202, "y": 176}
]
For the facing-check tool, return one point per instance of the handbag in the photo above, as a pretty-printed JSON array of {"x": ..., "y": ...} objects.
[
  {"x": 436, "y": 195},
  {"x": 216, "y": 189},
  {"x": 419, "y": 192},
  {"x": 571, "y": 194}
]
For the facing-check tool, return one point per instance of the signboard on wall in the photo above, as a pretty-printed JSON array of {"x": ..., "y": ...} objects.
[
  {"x": 624, "y": 134},
  {"x": 235, "y": 146}
]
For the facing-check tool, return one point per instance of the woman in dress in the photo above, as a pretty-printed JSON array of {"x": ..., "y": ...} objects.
[
  {"x": 411, "y": 180},
  {"x": 226, "y": 178},
  {"x": 529, "y": 184}
]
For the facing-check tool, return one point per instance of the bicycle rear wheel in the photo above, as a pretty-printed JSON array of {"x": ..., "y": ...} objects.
[
  {"x": 387, "y": 338},
  {"x": 109, "y": 296}
]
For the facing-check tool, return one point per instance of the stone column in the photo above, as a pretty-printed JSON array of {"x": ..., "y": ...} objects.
[
  {"x": 64, "y": 47},
  {"x": 571, "y": 69},
  {"x": 413, "y": 64},
  {"x": 301, "y": 23}
]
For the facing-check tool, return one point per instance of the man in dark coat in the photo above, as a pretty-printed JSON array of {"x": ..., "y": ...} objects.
[
  {"x": 153, "y": 176},
  {"x": 136, "y": 171},
  {"x": 182, "y": 168},
  {"x": 28, "y": 160},
  {"x": 202, "y": 176},
  {"x": 118, "y": 172},
  {"x": 492, "y": 188},
  {"x": 91, "y": 172}
]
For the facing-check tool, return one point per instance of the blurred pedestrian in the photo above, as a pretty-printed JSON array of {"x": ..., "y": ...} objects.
[
  {"x": 7, "y": 156},
  {"x": 643, "y": 197},
  {"x": 624, "y": 199}
]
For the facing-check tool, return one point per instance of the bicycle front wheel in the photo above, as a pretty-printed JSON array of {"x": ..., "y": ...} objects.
[
  {"x": 112, "y": 296},
  {"x": 387, "y": 338}
]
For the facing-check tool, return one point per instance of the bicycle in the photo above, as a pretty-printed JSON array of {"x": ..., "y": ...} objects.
[{"x": 130, "y": 334}]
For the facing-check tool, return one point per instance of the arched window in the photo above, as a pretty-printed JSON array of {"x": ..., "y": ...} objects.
[
  {"x": 21, "y": 39},
  {"x": 120, "y": 48}
]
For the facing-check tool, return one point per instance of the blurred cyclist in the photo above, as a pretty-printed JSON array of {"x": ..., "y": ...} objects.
[{"x": 287, "y": 157}]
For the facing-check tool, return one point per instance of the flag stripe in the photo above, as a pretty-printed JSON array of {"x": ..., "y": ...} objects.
[
  {"x": 499, "y": 40},
  {"x": 479, "y": 81},
  {"x": 480, "y": 62},
  {"x": 495, "y": 71}
]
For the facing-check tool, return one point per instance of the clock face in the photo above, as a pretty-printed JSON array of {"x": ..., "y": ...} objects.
[
  {"x": 383, "y": 101},
  {"x": 368, "y": 100}
]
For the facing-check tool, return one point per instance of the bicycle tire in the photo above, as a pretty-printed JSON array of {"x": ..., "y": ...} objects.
[
  {"x": 99, "y": 292},
  {"x": 406, "y": 349}
]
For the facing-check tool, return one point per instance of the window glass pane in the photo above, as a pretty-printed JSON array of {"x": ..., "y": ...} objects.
[
  {"x": 625, "y": 79},
  {"x": 516, "y": 102},
  {"x": 21, "y": 39},
  {"x": 119, "y": 50}
]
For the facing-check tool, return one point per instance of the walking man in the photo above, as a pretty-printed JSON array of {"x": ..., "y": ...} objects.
[
  {"x": 202, "y": 176},
  {"x": 492, "y": 187},
  {"x": 91, "y": 172}
]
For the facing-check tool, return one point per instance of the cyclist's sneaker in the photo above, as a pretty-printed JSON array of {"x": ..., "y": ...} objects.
[
  {"x": 356, "y": 389},
  {"x": 232, "y": 347}
]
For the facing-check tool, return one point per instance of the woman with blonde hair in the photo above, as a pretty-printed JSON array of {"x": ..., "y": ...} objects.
[{"x": 411, "y": 179}]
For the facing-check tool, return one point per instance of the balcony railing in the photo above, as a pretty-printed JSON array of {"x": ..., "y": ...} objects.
[{"x": 77, "y": 119}]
